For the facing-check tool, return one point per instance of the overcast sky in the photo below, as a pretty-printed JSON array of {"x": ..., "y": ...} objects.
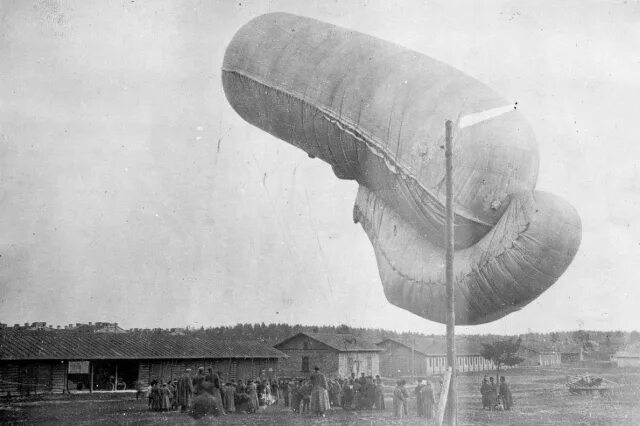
[{"x": 130, "y": 191}]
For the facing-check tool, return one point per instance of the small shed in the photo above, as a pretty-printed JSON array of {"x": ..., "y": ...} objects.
[
  {"x": 539, "y": 356},
  {"x": 629, "y": 356}
]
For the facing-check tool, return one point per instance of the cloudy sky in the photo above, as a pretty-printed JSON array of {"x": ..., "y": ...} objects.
[{"x": 130, "y": 191}]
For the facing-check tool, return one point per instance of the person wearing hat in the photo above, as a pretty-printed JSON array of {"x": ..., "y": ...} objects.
[
  {"x": 419, "y": 400},
  {"x": 319, "y": 394}
]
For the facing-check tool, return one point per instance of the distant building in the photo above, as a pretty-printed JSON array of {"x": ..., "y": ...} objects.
[
  {"x": 629, "y": 356},
  {"x": 428, "y": 355},
  {"x": 570, "y": 353},
  {"x": 101, "y": 327},
  {"x": 60, "y": 360},
  {"x": 337, "y": 355},
  {"x": 539, "y": 356}
]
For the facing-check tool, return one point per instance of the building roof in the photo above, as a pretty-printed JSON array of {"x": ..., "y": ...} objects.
[
  {"x": 437, "y": 345},
  {"x": 339, "y": 342},
  {"x": 77, "y": 345}
]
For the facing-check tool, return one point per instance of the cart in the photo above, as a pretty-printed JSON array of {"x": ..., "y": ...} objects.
[{"x": 586, "y": 385}]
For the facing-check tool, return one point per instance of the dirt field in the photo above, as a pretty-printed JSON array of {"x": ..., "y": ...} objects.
[{"x": 540, "y": 398}]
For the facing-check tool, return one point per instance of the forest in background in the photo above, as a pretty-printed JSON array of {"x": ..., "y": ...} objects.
[{"x": 595, "y": 344}]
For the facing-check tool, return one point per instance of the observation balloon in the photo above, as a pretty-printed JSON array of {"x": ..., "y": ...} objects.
[{"x": 375, "y": 112}]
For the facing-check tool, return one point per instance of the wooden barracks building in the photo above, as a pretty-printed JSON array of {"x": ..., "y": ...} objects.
[
  {"x": 426, "y": 356},
  {"x": 60, "y": 360},
  {"x": 337, "y": 355}
]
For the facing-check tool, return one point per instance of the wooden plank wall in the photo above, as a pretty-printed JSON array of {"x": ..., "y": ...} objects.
[{"x": 29, "y": 378}]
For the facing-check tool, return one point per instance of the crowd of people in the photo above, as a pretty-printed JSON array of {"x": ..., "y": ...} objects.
[
  {"x": 208, "y": 393},
  {"x": 494, "y": 396},
  {"x": 363, "y": 393},
  {"x": 425, "y": 399}
]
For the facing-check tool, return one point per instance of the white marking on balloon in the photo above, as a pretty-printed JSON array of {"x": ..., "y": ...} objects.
[{"x": 479, "y": 117}]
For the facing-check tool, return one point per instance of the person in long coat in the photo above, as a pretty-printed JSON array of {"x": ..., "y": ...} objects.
[
  {"x": 174, "y": 390},
  {"x": 254, "y": 404},
  {"x": 184, "y": 391},
  {"x": 428, "y": 400},
  {"x": 295, "y": 396},
  {"x": 319, "y": 394},
  {"x": 399, "y": 400},
  {"x": 505, "y": 394},
  {"x": 369, "y": 394},
  {"x": 347, "y": 395},
  {"x": 405, "y": 392},
  {"x": 156, "y": 397},
  {"x": 165, "y": 398},
  {"x": 215, "y": 388},
  {"x": 357, "y": 395},
  {"x": 379, "y": 403},
  {"x": 198, "y": 380},
  {"x": 285, "y": 392},
  {"x": 419, "y": 400},
  {"x": 229, "y": 398},
  {"x": 493, "y": 394},
  {"x": 485, "y": 389}
]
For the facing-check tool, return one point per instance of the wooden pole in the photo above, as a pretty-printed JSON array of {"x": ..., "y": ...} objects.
[
  {"x": 413, "y": 358},
  {"x": 449, "y": 241},
  {"x": 115, "y": 384},
  {"x": 444, "y": 393},
  {"x": 91, "y": 379}
]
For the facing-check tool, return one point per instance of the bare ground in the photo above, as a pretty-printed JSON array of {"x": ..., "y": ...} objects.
[{"x": 540, "y": 398}]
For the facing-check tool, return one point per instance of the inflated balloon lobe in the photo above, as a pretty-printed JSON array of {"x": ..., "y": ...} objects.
[{"x": 375, "y": 112}]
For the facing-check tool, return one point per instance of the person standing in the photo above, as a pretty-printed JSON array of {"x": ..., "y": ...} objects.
[
  {"x": 505, "y": 394},
  {"x": 254, "y": 404},
  {"x": 428, "y": 400},
  {"x": 493, "y": 394},
  {"x": 156, "y": 397},
  {"x": 296, "y": 396},
  {"x": 229, "y": 398},
  {"x": 240, "y": 388},
  {"x": 369, "y": 394},
  {"x": 485, "y": 389},
  {"x": 379, "y": 394},
  {"x": 347, "y": 394},
  {"x": 419, "y": 400},
  {"x": 399, "y": 400},
  {"x": 406, "y": 398},
  {"x": 198, "y": 380},
  {"x": 184, "y": 390},
  {"x": 319, "y": 394},
  {"x": 285, "y": 392},
  {"x": 357, "y": 394},
  {"x": 165, "y": 398}
]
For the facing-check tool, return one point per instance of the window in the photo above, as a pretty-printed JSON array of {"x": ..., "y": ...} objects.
[
  {"x": 305, "y": 363},
  {"x": 305, "y": 345}
]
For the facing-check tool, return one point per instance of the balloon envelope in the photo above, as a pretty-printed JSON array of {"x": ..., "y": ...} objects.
[{"x": 375, "y": 112}]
